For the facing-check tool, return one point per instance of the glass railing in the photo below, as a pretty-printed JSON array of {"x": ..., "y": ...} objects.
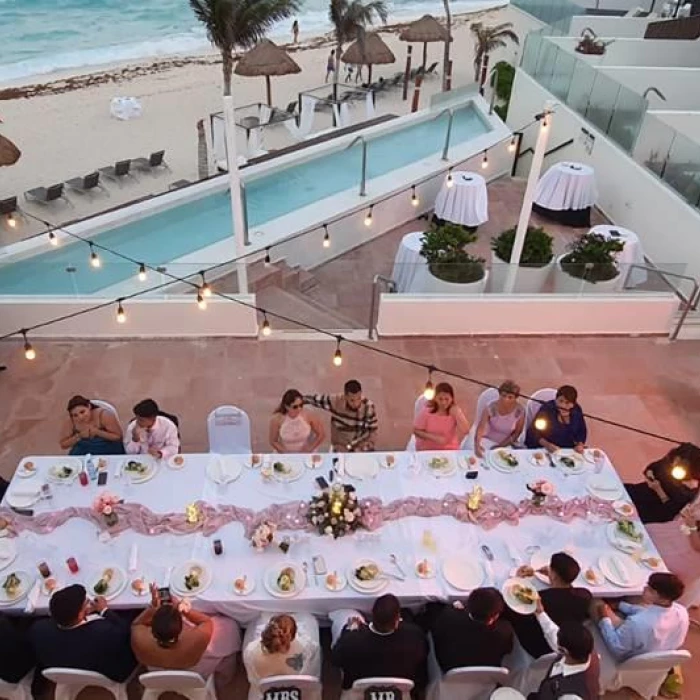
[{"x": 556, "y": 13}]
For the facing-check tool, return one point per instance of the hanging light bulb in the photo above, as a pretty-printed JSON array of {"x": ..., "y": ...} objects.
[
  {"x": 267, "y": 257},
  {"x": 450, "y": 180},
  {"x": 429, "y": 391},
  {"x": 205, "y": 289},
  {"x": 679, "y": 472},
  {"x": 338, "y": 355},
  {"x": 265, "y": 327},
  {"x": 94, "y": 257},
  {"x": 540, "y": 423},
  {"x": 414, "y": 197},
  {"x": 121, "y": 315},
  {"x": 368, "y": 218},
  {"x": 326, "y": 237},
  {"x": 513, "y": 143},
  {"x": 29, "y": 351},
  {"x": 142, "y": 272},
  {"x": 485, "y": 161},
  {"x": 201, "y": 301},
  {"x": 11, "y": 220},
  {"x": 53, "y": 238}
]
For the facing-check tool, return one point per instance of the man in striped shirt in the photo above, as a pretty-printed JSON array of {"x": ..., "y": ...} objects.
[{"x": 353, "y": 418}]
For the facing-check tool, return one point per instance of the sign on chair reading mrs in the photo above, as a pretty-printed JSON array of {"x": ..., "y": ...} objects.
[
  {"x": 288, "y": 693},
  {"x": 383, "y": 692}
]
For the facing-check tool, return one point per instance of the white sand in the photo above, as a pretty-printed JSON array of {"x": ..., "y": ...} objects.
[{"x": 70, "y": 134}]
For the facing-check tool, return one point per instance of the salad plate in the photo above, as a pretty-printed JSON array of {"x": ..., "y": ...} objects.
[
  {"x": 15, "y": 587},
  {"x": 625, "y": 535},
  {"x": 440, "y": 465},
  {"x": 504, "y": 460},
  {"x": 365, "y": 576},
  {"x": 139, "y": 469},
  {"x": 287, "y": 470},
  {"x": 191, "y": 578},
  {"x": 286, "y": 581},
  {"x": 109, "y": 582},
  {"x": 65, "y": 471},
  {"x": 520, "y": 596}
]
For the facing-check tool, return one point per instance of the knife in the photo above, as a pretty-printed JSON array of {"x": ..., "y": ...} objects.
[
  {"x": 390, "y": 575},
  {"x": 487, "y": 552},
  {"x": 551, "y": 461}
]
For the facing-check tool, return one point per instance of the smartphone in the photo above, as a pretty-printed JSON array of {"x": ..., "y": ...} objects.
[
  {"x": 322, "y": 483},
  {"x": 24, "y": 511},
  {"x": 319, "y": 565},
  {"x": 165, "y": 597},
  {"x": 102, "y": 478},
  {"x": 472, "y": 474}
]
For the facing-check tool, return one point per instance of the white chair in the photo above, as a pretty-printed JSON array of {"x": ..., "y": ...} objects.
[
  {"x": 506, "y": 694},
  {"x": 186, "y": 683},
  {"x": 486, "y": 397},
  {"x": 473, "y": 682},
  {"x": 533, "y": 405},
  {"x": 403, "y": 685},
  {"x": 417, "y": 408},
  {"x": 22, "y": 690},
  {"x": 107, "y": 406},
  {"x": 530, "y": 679},
  {"x": 229, "y": 431},
  {"x": 308, "y": 687},
  {"x": 645, "y": 673},
  {"x": 70, "y": 681}
]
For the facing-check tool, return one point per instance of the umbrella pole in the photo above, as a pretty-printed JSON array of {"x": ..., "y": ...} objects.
[
  {"x": 268, "y": 85},
  {"x": 369, "y": 73},
  {"x": 407, "y": 76},
  {"x": 425, "y": 54}
]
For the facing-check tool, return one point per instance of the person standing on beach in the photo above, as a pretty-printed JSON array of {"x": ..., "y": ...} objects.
[
  {"x": 330, "y": 65},
  {"x": 295, "y": 31}
]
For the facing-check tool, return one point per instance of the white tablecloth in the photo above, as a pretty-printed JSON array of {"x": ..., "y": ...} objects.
[
  {"x": 466, "y": 202},
  {"x": 631, "y": 254},
  {"x": 172, "y": 490},
  {"x": 567, "y": 186},
  {"x": 410, "y": 267}
]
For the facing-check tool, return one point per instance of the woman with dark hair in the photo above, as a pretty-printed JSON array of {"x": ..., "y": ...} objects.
[
  {"x": 90, "y": 430},
  {"x": 559, "y": 423},
  {"x": 441, "y": 425},
  {"x": 293, "y": 428},
  {"x": 670, "y": 484}
]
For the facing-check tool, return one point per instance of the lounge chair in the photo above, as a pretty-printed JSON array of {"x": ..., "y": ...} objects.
[
  {"x": 155, "y": 160},
  {"x": 432, "y": 70},
  {"x": 44, "y": 195},
  {"x": 85, "y": 184},
  {"x": 279, "y": 115},
  {"x": 121, "y": 169},
  {"x": 8, "y": 209}
]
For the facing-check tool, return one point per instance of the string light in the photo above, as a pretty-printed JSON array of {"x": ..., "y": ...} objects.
[
  {"x": 450, "y": 179},
  {"x": 205, "y": 289},
  {"x": 53, "y": 238},
  {"x": 429, "y": 391},
  {"x": 338, "y": 355},
  {"x": 485, "y": 160},
  {"x": 265, "y": 327},
  {"x": 679, "y": 472},
  {"x": 326, "y": 237},
  {"x": 267, "y": 257},
  {"x": 414, "y": 197},
  {"x": 121, "y": 315},
  {"x": 29, "y": 351},
  {"x": 540, "y": 423},
  {"x": 142, "y": 272},
  {"x": 201, "y": 301},
  {"x": 94, "y": 257},
  {"x": 368, "y": 218},
  {"x": 11, "y": 220},
  {"x": 513, "y": 143}
]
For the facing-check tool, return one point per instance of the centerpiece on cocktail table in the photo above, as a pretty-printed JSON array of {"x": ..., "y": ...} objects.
[{"x": 335, "y": 511}]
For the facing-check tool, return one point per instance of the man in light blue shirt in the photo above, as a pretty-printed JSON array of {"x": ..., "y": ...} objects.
[{"x": 660, "y": 624}]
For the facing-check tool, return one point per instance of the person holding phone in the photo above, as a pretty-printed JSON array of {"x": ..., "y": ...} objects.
[{"x": 170, "y": 635}]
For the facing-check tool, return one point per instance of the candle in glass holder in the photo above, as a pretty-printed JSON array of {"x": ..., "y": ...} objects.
[
  {"x": 192, "y": 513},
  {"x": 337, "y": 507}
]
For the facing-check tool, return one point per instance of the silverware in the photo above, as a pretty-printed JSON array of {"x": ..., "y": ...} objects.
[
  {"x": 305, "y": 567},
  {"x": 551, "y": 461},
  {"x": 396, "y": 577},
  {"x": 395, "y": 562},
  {"x": 487, "y": 552}
]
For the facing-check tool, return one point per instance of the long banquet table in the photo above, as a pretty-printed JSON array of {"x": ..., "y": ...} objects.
[{"x": 411, "y": 538}]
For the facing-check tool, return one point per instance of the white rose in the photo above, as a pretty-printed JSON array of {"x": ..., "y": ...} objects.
[
  {"x": 329, "y": 530},
  {"x": 350, "y": 517}
]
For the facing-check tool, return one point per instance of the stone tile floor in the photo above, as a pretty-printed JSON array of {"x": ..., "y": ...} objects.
[{"x": 647, "y": 383}]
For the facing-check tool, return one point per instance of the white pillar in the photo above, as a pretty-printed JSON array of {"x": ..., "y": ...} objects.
[
  {"x": 235, "y": 191},
  {"x": 545, "y": 126}
]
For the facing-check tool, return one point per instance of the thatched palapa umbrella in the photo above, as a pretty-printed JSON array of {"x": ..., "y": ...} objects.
[
  {"x": 424, "y": 31},
  {"x": 370, "y": 51},
  {"x": 9, "y": 153},
  {"x": 268, "y": 59}
]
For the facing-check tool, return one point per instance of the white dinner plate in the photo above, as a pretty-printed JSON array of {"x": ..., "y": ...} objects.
[
  {"x": 498, "y": 463},
  {"x": 140, "y": 478},
  {"x": 469, "y": 462},
  {"x": 292, "y": 469},
  {"x": 177, "y": 580},
  {"x": 247, "y": 590},
  {"x": 24, "y": 473},
  {"x": 177, "y": 462},
  {"x": 506, "y": 694},
  {"x": 463, "y": 574},
  {"x": 621, "y": 541},
  {"x": 272, "y": 575},
  {"x": 420, "y": 568},
  {"x": 138, "y": 577},
  {"x": 624, "y": 508},
  {"x": 589, "y": 456},
  {"x": 538, "y": 561},
  {"x": 440, "y": 464},
  {"x": 8, "y": 552},
  {"x": 223, "y": 469},
  {"x": 116, "y": 585},
  {"x": 23, "y": 497},
  {"x": 542, "y": 461},
  {"x": 579, "y": 463},
  {"x": 605, "y": 488},
  {"x": 513, "y": 603},
  {"x": 340, "y": 583},
  {"x": 621, "y": 570},
  {"x": 361, "y": 466},
  {"x": 371, "y": 586},
  {"x": 26, "y": 582},
  {"x": 73, "y": 467}
]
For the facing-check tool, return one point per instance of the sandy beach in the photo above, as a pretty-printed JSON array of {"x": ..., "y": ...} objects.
[{"x": 62, "y": 122}]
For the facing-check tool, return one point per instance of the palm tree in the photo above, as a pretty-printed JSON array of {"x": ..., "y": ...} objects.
[
  {"x": 487, "y": 39},
  {"x": 446, "y": 54},
  {"x": 350, "y": 19},
  {"x": 239, "y": 23}
]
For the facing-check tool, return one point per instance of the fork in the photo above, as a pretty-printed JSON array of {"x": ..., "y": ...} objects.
[{"x": 395, "y": 561}]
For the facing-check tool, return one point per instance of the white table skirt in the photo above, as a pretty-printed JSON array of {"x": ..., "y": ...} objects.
[
  {"x": 631, "y": 254},
  {"x": 466, "y": 202},
  {"x": 172, "y": 490},
  {"x": 410, "y": 267},
  {"x": 567, "y": 186}
]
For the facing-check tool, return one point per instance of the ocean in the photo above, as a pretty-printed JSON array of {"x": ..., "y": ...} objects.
[{"x": 41, "y": 36}]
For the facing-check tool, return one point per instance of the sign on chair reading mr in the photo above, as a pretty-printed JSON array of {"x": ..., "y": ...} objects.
[
  {"x": 288, "y": 693},
  {"x": 383, "y": 692}
]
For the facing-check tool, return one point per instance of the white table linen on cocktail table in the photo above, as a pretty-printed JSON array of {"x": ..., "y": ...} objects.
[
  {"x": 567, "y": 186},
  {"x": 631, "y": 254},
  {"x": 172, "y": 490},
  {"x": 466, "y": 202},
  {"x": 410, "y": 267}
]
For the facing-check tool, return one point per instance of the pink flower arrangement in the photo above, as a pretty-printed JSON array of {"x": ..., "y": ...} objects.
[
  {"x": 540, "y": 489},
  {"x": 263, "y": 535},
  {"x": 104, "y": 505}
]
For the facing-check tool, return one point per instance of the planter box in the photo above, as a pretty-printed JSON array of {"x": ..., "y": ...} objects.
[
  {"x": 564, "y": 283},
  {"x": 433, "y": 285},
  {"x": 530, "y": 280}
]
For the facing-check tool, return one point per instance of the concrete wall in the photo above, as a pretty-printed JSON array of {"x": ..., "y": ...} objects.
[
  {"x": 687, "y": 123},
  {"x": 404, "y": 314},
  {"x": 629, "y": 194},
  {"x": 623, "y": 27},
  {"x": 680, "y": 86},
  {"x": 621, "y": 5}
]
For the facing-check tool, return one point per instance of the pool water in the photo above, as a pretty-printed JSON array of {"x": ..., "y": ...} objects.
[{"x": 160, "y": 238}]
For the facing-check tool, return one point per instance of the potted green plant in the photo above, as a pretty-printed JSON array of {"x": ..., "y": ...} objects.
[
  {"x": 535, "y": 260},
  {"x": 589, "y": 266},
  {"x": 452, "y": 270}
]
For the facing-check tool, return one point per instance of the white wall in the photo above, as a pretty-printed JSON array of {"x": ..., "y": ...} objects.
[
  {"x": 680, "y": 86},
  {"x": 404, "y": 314},
  {"x": 625, "y": 5},
  {"x": 688, "y": 123},
  {"x": 629, "y": 194},
  {"x": 606, "y": 27}
]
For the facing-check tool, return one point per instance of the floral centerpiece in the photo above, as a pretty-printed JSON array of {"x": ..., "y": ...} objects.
[
  {"x": 263, "y": 535},
  {"x": 540, "y": 489},
  {"x": 104, "y": 505},
  {"x": 335, "y": 511}
]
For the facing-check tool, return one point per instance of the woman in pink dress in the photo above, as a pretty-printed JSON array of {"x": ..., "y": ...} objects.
[
  {"x": 293, "y": 428},
  {"x": 502, "y": 421},
  {"x": 441, "y": 425}
]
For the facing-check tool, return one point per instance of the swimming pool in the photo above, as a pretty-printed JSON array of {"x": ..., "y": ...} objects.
[{"x": 158, "y": 239}]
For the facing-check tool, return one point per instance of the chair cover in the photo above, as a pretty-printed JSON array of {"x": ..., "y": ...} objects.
[
  {"x": 486, "y": 397},
  {"x": 417, "y": 408},
  {"x": 186, "y": 683},
  {"x": 645, "y": 673},
  {"x": 229, "y": 431},
  {"x": 533, "y": 405}
]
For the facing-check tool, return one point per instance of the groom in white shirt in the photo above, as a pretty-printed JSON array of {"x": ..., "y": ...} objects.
[{"x": 151, "y": 433}]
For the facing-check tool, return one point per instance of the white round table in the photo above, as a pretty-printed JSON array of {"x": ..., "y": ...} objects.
[
  {"x": 566, "y": 193},
  {"x": 410, "y": 267},
  {"x": 465, "y": 202},
  {"x": 631, "y": 254}
]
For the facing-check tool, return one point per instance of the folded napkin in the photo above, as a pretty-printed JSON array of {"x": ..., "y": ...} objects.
[
  {"x": 33, "y": 598},
  {"x": 618, "y": 570},
  {"x": 24, "y": 493},
  {"x": 133, "y": 558},
  {"x": 605, "y": 485}
]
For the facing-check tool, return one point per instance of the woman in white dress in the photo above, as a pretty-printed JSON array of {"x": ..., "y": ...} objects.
[{"x": 293, "y": 428}]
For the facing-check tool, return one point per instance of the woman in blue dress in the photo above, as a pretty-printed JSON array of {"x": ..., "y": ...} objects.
[{"x": 91, "y": 430}]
